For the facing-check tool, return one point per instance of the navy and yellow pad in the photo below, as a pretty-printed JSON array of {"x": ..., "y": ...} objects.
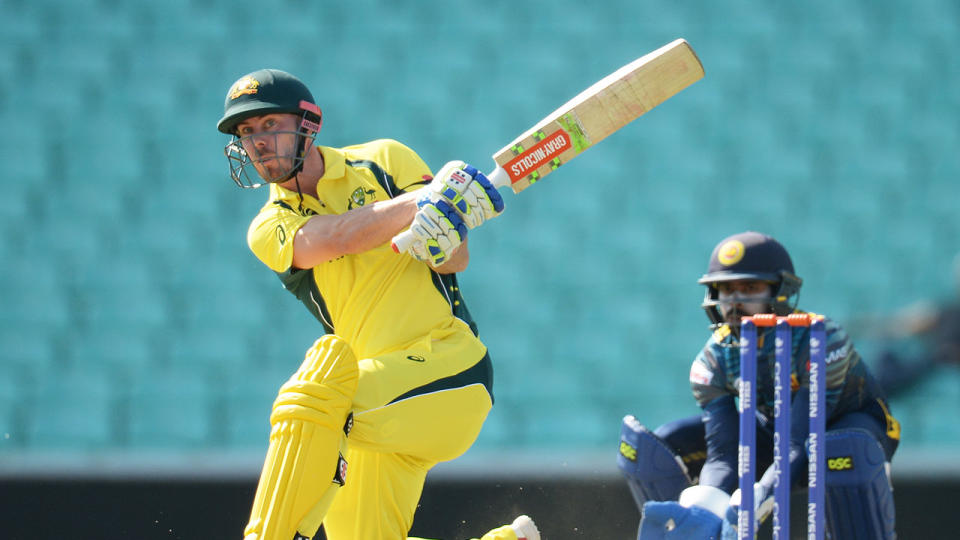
[
  {"x": 304, "y": 466},
  {"x": 653, "y": 471},
  {"x": 859, "y": 499}
]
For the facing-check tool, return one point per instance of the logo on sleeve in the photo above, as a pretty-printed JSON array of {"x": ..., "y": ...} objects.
[{"x": 700, "y": 374}]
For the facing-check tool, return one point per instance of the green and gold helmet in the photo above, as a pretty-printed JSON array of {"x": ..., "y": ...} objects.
[
  {"x": 264, "y": 92},
  {"x": 267, "y": 91}
]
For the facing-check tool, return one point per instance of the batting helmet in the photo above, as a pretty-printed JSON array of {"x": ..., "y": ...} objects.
[
  {"x": 756, "y": 256},
  {"x": 266, "y": 91}
]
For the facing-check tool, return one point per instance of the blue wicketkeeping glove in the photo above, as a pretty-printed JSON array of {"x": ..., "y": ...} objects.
[{"x": 696, "y": 516}]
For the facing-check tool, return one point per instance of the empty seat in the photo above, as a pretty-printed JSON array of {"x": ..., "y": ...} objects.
[
  {"x": 29, "y": 346},
  {"x": 247, "y": 401},
  {"x": 74, "y": 409},
  {"x": 171, "y": 409},
  {"x": 135, "y": 261}
]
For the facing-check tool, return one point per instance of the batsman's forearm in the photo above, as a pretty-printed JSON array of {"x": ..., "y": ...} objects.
[
  {"x": 324, "y": 238},
  {"x": 367, "y": 227}
]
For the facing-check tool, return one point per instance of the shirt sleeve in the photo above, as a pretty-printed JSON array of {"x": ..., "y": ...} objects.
[
  {"x": 721, "y": 423},
  {"x": 708, "y": 380},
  {"x": 408, "y": 169},
  {"x": 271, "y": 235}
]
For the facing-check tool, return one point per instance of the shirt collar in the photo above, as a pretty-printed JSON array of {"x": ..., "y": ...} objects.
[
  {"x": 334, "y": 163},
  {"x": 334, "y": 166}
]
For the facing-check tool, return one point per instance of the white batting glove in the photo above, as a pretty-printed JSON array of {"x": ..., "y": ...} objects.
[
  {"x": 438, "y": 230},
  {"x": 467, "y": 190}
]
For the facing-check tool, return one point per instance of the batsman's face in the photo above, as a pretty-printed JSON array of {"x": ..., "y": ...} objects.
[
  {"x": 743, "y": 297},
  {"x": 270, "y": 142}
]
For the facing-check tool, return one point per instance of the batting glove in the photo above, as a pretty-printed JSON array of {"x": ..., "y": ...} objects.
[
  {"x": 467, "y": 190},
  {"x": 437, "y": 230}
]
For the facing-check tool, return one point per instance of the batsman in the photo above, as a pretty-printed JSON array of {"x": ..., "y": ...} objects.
[
  {"x": 400, "y": 380},
  {"x": 684, "y": 476}
]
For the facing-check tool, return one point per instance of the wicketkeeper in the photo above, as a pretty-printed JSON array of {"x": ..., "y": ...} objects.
[
  {"x": 400, "y": 380},
  {"x": 683, "y": 475}
]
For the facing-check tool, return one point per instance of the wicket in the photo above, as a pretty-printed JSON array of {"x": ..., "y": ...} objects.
[{"x": 746, "y": 520}]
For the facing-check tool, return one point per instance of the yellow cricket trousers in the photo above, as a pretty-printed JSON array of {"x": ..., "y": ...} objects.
[{"x": 413, "y": 409}]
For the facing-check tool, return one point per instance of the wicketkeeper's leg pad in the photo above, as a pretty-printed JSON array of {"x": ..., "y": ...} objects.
[
  {"x": 304, "y": 464},
  {"x": 652, "y": 469},
  {"x": 859, "y": 498}
]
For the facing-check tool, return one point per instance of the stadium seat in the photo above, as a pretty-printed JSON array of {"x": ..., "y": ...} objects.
[
  {"x": 74, "y": 409},
  {"x": 172, "y": 409},
  {"x": 247, "y": 402},
  {"x": 124, "y": 250}
]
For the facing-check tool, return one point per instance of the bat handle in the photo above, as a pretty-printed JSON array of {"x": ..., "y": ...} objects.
[
  {"x": 402, "y": 241},
  {"x": 499, "y": 178}
]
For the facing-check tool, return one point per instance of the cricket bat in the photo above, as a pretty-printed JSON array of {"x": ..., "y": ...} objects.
[{"x": 611, "y": 103}]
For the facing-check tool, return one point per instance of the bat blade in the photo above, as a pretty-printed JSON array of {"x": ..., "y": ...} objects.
[
  {"x": 591, "y": 116},
  {"x": 603, "y": 108}
]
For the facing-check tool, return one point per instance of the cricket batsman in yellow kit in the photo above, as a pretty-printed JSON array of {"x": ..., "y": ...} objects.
[{"x": 400, "y": 380}]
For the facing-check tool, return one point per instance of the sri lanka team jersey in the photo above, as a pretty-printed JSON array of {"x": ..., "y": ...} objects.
[{"x": 850, "y": 386}]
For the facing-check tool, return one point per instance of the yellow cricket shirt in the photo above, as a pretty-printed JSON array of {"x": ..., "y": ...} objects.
[{"x": 378, "y": 301}]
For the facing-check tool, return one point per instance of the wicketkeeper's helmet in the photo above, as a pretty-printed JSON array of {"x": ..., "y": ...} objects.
[{"x": 751, "y": 255}]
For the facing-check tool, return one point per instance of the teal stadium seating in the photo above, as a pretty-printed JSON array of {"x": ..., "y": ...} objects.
[{"x": 134, "y": 318}]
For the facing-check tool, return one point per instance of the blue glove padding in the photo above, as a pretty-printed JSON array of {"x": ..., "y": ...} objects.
[
  {"x": 467, "y": 191},
  {"x": 438, "y": 231},
  {"x": 495, "y": 198},
  {"x": 667, "y": 519}
]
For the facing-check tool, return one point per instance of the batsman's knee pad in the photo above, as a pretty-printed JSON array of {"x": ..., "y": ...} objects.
[
  {"x": 304, "y": 464},
  {"x": 859, "y": 499},
  {"x": 652, "y": 469}
]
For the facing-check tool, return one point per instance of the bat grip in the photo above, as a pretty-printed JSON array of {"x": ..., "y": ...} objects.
[
  {"x": 402, "y": 241},
  {"x": 499, "y": 178}
]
